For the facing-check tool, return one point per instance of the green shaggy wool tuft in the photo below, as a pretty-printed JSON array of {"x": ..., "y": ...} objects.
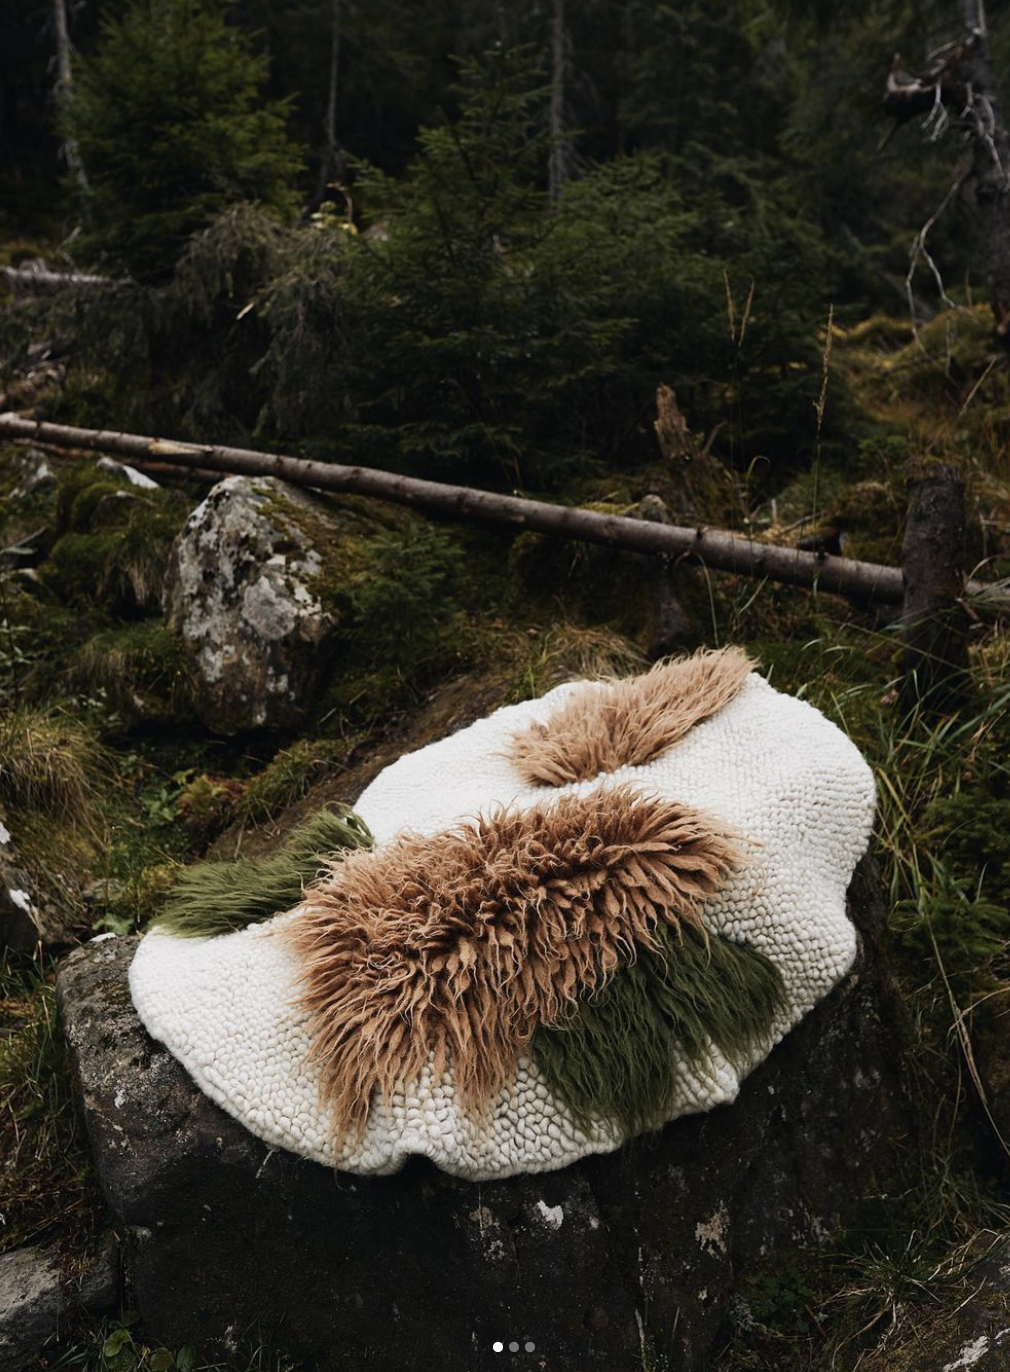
[
  {"x": 219, "y": 897},
  {"x": 613, "y": 1058}
]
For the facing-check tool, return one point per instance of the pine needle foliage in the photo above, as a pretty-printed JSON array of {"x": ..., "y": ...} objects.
[
  {"x": 219, "y": 897},
  {"x": 170, "y": 123},
  {"x": 614, "y": 1058}
]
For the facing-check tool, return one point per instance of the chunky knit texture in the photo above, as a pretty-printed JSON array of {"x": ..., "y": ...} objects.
[{"x": 767, "y": 768}]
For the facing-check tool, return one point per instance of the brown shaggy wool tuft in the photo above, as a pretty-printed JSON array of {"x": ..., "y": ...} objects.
[
  {"x": 462, "y": 944},
  {"x": 620, "y": 723}
]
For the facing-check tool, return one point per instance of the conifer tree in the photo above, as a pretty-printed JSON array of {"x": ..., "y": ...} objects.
[{"x": 171, "y": 129}]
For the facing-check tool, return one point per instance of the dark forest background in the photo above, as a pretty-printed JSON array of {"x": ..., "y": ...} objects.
[{"x": 471, "y": 240}]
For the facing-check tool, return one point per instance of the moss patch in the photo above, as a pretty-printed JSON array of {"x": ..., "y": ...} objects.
[
  {"x": 140, "y": 670},
  {"x": 113, "y": 541},
  {"x": 290, "y": 775}
]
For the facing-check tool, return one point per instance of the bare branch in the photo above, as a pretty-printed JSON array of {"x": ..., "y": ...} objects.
[{"x": 919, "y": 250}]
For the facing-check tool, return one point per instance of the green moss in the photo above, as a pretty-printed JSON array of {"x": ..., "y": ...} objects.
[
  {"x": 404, "y": 598},
  {"x": 595, "y": 585},
  {"x": 207, "y": 806},
  {"x": 808, "y": 495},
  {"x": 140, "y": 669},
  {"x": 88, "y": 500},
  {"x": 113, "y": 542},
  {"x": 290, "y": 775},
  {"x": 614, "y": 1058},
  {"x": 871, "y": 517},
  {"x": 339, "y": 529},
  {"x": 955, "y": 345},
  {"x": 76, "y": 567},
  {"x": 36, "y": 635},
  {"x": 218, "y": 897}
]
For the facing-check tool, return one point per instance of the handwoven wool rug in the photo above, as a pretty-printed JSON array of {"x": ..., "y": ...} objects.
[{"x": 584, "y": 915}]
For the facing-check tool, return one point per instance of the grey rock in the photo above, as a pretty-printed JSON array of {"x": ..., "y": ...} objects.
[
  {"x": 20, "y": 919},
  {"x": 37, "y": 474},
  {"x": 30, "y": 1299},
  {"x": 635, "y": 1251},
  {"x": 127, "y": 473},
  {"x": 242, "y": 591},
  {"x": 36, "y": 1299},
  {"x": 100, "y": 1285},
  {"x": 27, "y": 918}
]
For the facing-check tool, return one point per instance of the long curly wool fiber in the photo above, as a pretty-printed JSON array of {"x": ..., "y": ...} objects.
[
  {"x": 627, "y": 723},
  {"x": 456, "y": 947}
]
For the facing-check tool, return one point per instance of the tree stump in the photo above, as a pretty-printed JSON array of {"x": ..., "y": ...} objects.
[{"x": 934, "y": 618}]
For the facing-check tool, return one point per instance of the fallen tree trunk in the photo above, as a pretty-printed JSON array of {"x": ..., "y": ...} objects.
[
  {"x": 863, "y": 582},
  {"x": 171, "y": 471},
  {"x": 31, "y": 280}
]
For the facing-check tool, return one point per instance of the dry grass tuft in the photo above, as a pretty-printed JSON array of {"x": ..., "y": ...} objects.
[
  {"x": 566, "y": 651},
  {"x": 49, "y": 764}
]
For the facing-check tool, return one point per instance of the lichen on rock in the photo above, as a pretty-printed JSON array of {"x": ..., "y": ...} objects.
[{"x": 242, "y": 593}]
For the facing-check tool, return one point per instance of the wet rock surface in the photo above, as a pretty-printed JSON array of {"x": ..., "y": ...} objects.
[
  {"x": 30, "y": 1292},
  {"x": 594, "y": 1265}
]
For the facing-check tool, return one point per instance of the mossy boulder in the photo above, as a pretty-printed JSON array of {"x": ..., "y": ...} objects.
[
  {"x": 139, "y": 670},
  {"x": 257, "y": 588}
]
